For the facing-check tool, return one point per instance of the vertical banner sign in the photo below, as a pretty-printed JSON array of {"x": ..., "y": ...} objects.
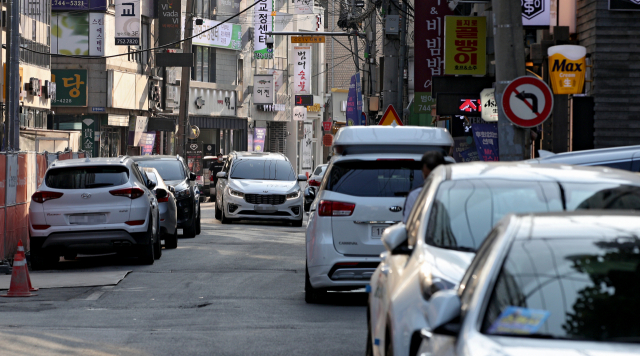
[
  {"x": 306, "y": 145},
  {"x": 299, "y": 113},
  {"x": 567, "y": 68},
  {"x": 96, "y": 34},
  {"x": 429, "y": 41},
  {"x": 263, "y": 23},
  {"x": 464, "y": 150},
  {"x": 146, "y": 142},
  {"x": 536, "y": 12},
  {"x": 303, "y": 6},
  {"x": 127, "y": 23},
  {"x": 363, "y": 120},
  {"x": 71, "y": 87},
  {"x": 88, "y": 135},
  {"x": 170, "y": 22},
  {"x": 260, "y": 134},
  {"x": 302, "y": 70},
  {"x": 194, "y": 158},
  {"x": 353, "y": 118},
  {"x": 465, "y": 45},
  {"x": 486, "y": 139},
  {"x": 263, "y": 89}
]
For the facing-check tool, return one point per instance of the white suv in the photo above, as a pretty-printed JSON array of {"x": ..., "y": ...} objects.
[
  {"x": 361, "y": 194},
  {"x": 91, "y": 206}
]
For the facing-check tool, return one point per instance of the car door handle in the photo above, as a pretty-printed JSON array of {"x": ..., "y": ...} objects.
[{"x": 376, "y": 222}]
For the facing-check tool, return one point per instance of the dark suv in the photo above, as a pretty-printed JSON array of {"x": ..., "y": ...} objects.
[{"x": 175, "y": 172}]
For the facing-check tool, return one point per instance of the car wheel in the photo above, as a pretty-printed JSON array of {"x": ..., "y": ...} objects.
[
  {"x": 146, "y": 253},
  {"x": 297, "y": 223},
  {"x": 157, "y": 248},
  {"x": 198, "y": 230},
  {"x": 389, "y": 342},
  {"x": 218, "y": 212},
  {"x": 171, "y": 241},
  {"x": 223, "y": 218},
  {"x": 312, "y": 295}
]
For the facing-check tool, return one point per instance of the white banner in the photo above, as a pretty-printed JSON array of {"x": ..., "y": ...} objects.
[
  {"x": 227, "y": 35},
  {"x": 307, "y": 161},
  {"x": 127, "y": 23},
  {"x": 96, "y": 34},
  {"x": 303, "y": 6},
  {"x": 299, "y": 113},
  {"x": 263, "y": 23},
  {"x": 263, "y": 89},
  {"x": 141, "y": 126},
  {"x": 302, "y": 70}
]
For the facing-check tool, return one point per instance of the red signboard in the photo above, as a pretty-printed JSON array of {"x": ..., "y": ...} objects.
[
  {"x": 326, "y": 125},
  {"x": 327, "y": 140},
  {"x": 429, "y": 41}
]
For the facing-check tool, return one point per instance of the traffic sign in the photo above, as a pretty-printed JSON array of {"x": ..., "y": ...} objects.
[
  {"x": 527, "y": 101},
  {"x": 307, "y": 39},
  {"x": 390, "y": 117}
]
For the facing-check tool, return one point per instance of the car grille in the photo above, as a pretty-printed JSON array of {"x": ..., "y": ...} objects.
[{"x": 264, "y": 199}]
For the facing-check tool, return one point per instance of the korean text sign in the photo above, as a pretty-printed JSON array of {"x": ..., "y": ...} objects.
[
  {"x": 127, "y": 23},
  {"x": 486, "y": 138},
  {"x": 71, "y": 87},
  {"x": 465, "y": 45},
  {"x": 169, "y": 12},
  {"x": 93, "y": 5},
  {"x": 260, "y": 134},
  {"x": 262, "y": 23},
  {"x": 226, "y": 35},
  {"x": 263, "y": 89},
  {"x": 354, "y": 106},
  {"x": 429, "y": 42},
  {"x": 302, "y": 70},
  {"x": 96, "y": 34}
]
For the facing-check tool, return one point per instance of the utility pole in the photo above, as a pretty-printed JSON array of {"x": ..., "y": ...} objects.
[
  {"x": 355, "y": 39},
  {"x": 370, "y": 57},
  {"x": 390, "y": 75},
  {"x": 185, "y": 82},
  {"x": 401, "y": 64},
  {"x": 509, "y": 52},
  {"x": 13, "y": 76}
]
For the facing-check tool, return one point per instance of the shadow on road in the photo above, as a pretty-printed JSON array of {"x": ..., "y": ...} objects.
[{"x": 347, "y": 299}]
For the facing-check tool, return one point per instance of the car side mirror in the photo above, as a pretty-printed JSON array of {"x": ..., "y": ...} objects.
[
  {"x": 151, "y": 184},
  {"x": 443, "y": 313},
  {"x": 394, "y": 239},
  {"x": 171, "y": 189},
  {"x": 302, "y": 178},
  {"x": 161, "y": 193},
  {"x": 309, "y": 197},
  {"x": 222, "y": 175},
  {"x": 192, "y": 176}
]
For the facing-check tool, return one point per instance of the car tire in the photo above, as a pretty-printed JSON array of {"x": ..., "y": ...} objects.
[
  {"x": 171, "y": 241},
  {"x": 389, "y": 349},
  {"x": 146, "y": 253},
  {"x": 218, "y": 212},
  {"x": 297, "y": 223},
  {"x": 312, "y": 295},
  {"x": 157, "y": 248},
  {"x": 223, "y": 218},
  {"x": 198, "y": 228}
]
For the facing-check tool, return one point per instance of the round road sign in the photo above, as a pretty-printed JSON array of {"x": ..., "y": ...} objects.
[{"x": 527, "y": 101}]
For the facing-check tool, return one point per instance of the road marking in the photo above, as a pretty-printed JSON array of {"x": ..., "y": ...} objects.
[{"x": 98, "y": 294}]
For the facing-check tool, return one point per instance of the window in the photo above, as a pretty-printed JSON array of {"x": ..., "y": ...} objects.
[
  {"x": 168, "y": 170},
  {"x": 375, "y": 178},
  {"x": 145, "y": 40},
  {"x": 262, "y": 169},
  {"x": 205, "y": 69},
  {"x": 86, "y": 177}
]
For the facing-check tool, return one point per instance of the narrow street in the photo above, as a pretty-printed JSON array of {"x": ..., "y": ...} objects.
[{"x": 233, "y": 290}]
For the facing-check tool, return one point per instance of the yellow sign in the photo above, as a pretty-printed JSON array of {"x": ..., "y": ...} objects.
[
  {"x": 390, "y": 117},
  {"x": 307, "y": 39},
  {"x": 314, "y": 108},
  {"x": 465, "y": 45},
  {"x": 567, "y": 66}
]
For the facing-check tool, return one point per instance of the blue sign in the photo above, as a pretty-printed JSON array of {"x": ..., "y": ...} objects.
[
  {"x": 464, "y": 150},
  {"x": 98, "y": 109},
  {"x": 88, "y": 5},
  {"x": 486, "y": 139},
  {"x": 354, "y": 101}
]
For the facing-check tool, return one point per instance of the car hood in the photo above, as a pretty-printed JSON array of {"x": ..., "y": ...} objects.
[
  {"x": 254, "y": 186},
  {"x": 450, "y": 264},
  {"x": 178, "y": 185}
]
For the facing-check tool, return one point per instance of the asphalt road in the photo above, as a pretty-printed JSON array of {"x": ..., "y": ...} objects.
[{"x": 233, "y": 290}]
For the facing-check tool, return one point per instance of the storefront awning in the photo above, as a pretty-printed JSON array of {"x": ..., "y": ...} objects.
[{"x": 161, "y": 124}]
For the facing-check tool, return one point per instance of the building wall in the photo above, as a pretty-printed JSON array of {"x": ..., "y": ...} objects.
[{"x": 226, "y": 67}]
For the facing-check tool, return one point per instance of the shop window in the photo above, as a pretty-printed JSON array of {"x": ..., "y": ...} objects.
[{"x": 205, "y": 69}]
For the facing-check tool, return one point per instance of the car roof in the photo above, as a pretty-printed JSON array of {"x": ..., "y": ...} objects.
[
  {"x": 539, "y": 172},
  {"x": 90, "y": 161},
  {"x": 591, "y": 156},
  {"x": 260, "y": 155},
  {"x": 591, "y": 224},
  {"x": 389, "y": 135},
  {"x": 154, "y": 157}
]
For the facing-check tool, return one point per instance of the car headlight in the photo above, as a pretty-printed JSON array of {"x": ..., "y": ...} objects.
[
  {"x": 183, "y": 194},
  {"x": 293, "y": 195},
  {"x": 235, "y": 193}
]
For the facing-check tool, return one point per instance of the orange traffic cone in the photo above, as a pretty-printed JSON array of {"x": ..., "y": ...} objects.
[
  {"x": 19, "y": 286},
  {"x": 21, "y": 252}
]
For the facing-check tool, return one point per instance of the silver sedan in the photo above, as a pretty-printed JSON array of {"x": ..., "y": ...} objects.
[
  {"x": 545, "y": 284},
  {"x": 168, "y": 211}
]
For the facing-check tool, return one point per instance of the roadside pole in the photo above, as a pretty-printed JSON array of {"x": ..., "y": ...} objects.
[
  {"x": 401, "y": 61},
  {"x": 13, "y": 76},
  {"x": 390, "y": 65},
  {"x": 509, "y": 54},
  {"x": 185, "y": 82}
]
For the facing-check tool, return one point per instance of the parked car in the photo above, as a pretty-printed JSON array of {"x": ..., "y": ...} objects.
[
  {"x": 175, "y": 173},
  {"x": 452, "y": 216},
  {"x": 94, "y": 206},
  {"x": 372, "y": 170},
  {"x": 544, "y": 285},
  {"x": 627, "y": 158},
  {"x": 208, "y": 179},
  {"x": 259, "y": 186},
  {"x": 167, "y": 208},
  {"x": 313, "y": 184}
]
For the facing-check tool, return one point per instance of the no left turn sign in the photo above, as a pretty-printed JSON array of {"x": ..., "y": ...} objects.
[{"x": 527, "y": 101}]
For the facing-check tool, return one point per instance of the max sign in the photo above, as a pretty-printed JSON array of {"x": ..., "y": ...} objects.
[{"x": 568, "y": 66}]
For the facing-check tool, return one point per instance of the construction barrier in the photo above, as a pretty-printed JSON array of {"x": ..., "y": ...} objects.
[{"x": 21, "y": 173}]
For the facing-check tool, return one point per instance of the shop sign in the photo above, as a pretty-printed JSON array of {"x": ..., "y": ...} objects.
[
  {"x": 429, "y": 33},
  {"x": 71, "y": 87},
  {"x": 302, "y": 70},
  {"x": 140, "y": 126},
  {"x": 486, "y": 138},
  {"x": 536, "y": 12},
  {"x": 326, "y": 125},
  {"x": 354, "y": 101},
  {"x": 624, "y": 5},
  {"x": 194, "y": 158},
  {"x": 465, "y": 45},
  {"x": 260, "y": 135},
  {"x": 327, "y": 140},
  {"x": 314, "y": 108},
  {"x": 262, "y": 23},
  {"x": 118, "y": 120},
  {"x": 147, "y": 142},
  {"x": 226, "y": 35},
  {"x": 464, "y": 149},
  {"x": 467, "y": 104},
  {"x": 127, "y": 23},
  {"x": 567, "y": 64},
  {"x": 489, "y": 105},
  {"x": 307, "y": 161},
  {"x": 170, "y": 21},
  {"x": 96, "y": 34},
  {"x": 93, "y": 5},
  {"x": 299, "y": 113},
  {"x": 209, "y": 149},
  {"x": 263, "y": 89},
  {"x": 88, "y": 135},
  {"x": 304, "y": 100}
]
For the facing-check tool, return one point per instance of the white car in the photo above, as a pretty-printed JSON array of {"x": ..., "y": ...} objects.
[
  {"x": 362, "y": 193},
  {"x": 259, "y": 186},
  {"x": 167, "y": 209},
  {"x": 452, "y": 216},
  {"x": 93, "y": 206}
]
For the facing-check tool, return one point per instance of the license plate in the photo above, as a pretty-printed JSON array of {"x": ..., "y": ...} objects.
[
  {"x": 264, "y": 208},
  {"x": 87, "y": 219},
  {"x": 377, "y": 230}
]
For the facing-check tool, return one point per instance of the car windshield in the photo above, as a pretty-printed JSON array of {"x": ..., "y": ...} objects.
[
  {"x": 168, "y": 170},
  {"x": 319, "y": 170},
  {"x": 86, "y": 177},
  {"x": 262, "y": 169},
  {"x": 464, "y": 211},
  {"x": 393, "y": 178},
  {"x": 582, "y": 289}
]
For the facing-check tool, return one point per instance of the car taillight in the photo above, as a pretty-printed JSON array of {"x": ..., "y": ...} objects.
[
  {"x": 135, "y": 222},
  {"x": 43, "y": 196},
  {"x": 314, "y": 183},
  {"x": 131, "y": 193},
  {"x": 163, "y": 200},
  {"x": 40, "y": 227},
  {"x": 335, "y": 208},
  {"x": 211, "y": 177}
]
